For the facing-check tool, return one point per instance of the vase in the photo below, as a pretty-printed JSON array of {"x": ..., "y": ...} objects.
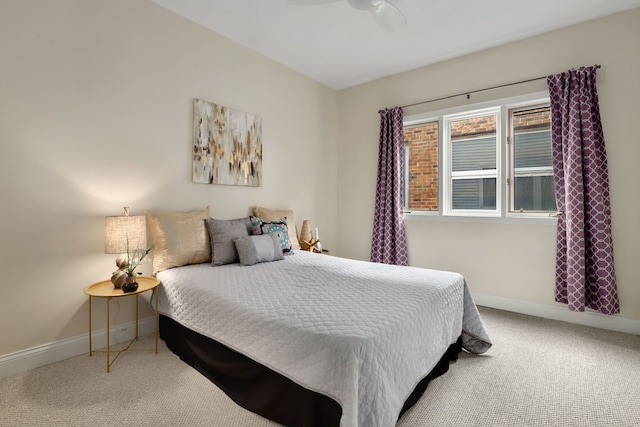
[
  {"x": 305, "y": 235},
  {"x": 130, "y": 284}
]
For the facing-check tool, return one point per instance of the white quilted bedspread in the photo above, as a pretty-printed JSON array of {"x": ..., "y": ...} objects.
[{"x": 364, "y": 334}]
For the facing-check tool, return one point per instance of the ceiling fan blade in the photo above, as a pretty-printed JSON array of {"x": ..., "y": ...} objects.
[
  {"x": 365, "y": 4},
  {"x": 310, "y": 2},
  {"x": 389, "y": 17}
]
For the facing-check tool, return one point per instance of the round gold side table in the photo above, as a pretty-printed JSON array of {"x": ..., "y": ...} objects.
[{"x": 105, "y": 289}]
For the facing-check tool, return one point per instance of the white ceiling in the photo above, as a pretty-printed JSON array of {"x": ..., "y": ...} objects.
[{"x": 340, "y": 46}]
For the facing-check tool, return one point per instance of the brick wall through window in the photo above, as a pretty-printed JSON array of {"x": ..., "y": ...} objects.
[{"x": 422, "y": 143}]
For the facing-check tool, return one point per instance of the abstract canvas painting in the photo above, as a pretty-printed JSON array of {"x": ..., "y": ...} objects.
[{"x": 227, "y": 145}]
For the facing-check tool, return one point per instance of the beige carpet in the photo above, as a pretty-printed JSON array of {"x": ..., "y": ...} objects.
[{"x": 539, "y": 373}]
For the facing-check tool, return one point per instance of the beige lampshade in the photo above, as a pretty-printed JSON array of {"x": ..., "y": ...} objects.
[{"x": 120, "y": 230}]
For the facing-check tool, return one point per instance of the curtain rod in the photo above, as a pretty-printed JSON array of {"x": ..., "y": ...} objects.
[{"x": 598, "y": 66}]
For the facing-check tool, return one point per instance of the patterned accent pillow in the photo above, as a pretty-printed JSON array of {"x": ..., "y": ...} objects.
[
  {"x": 259, "y": 226},
  {"x": 275, "y": 215}
]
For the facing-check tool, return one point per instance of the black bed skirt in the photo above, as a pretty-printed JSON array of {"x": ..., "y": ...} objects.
[{"x": 264, "y": 391}]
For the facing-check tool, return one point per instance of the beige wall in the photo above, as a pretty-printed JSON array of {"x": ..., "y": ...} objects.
[
  {"x": 506, "y": 260},
  {"x": 96, "y": 114}
]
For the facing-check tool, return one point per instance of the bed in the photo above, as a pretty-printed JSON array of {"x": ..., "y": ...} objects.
[
  {"x": 362, "y": 334},
  {"x": 319, "y": 340}
]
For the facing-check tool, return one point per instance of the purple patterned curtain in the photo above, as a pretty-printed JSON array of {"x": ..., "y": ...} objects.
[
  {"x": 585, "y": 275},
  {"x": 389, "y": 243}
]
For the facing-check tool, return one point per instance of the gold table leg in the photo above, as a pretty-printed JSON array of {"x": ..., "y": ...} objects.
[
  {"x": 157, "y": 321},
  {"x": 137, "y": 317},
  {"x": 90, "y": 344},
  {"x": 108, "y": 304}
]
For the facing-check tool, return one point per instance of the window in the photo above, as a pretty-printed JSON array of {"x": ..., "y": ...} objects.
[
  {"x": 485, "y": 160},
  {"x": 532, "y": 172},
  {"x": 421, "y": 167},
  {"x": 471, "y": 168}
]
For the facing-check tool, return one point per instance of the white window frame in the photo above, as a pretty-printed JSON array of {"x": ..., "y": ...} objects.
[
  {"x": 407, "y": 155},
  {"x": 448, "y": 175},
  {"x": 538, "y": 171},
  {"x": 417, "y": 121},
  {"x": 504, "y": 167}
]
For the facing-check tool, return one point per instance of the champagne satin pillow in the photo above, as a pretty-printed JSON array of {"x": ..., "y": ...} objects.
[{"x": 178, "y": 238}]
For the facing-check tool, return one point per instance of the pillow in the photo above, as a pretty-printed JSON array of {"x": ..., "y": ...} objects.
[
  {"x": 178, "y": 238},
  {"x": 222, "y": 233},
  {"x": 256, "y": 249},
  {"x": 274, "y": 215},
  {"x": 259, "y": 226}
]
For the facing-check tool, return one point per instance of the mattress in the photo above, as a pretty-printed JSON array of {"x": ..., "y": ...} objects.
[{"x": 360, "y": 333}]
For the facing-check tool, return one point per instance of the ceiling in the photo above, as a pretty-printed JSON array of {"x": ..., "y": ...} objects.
[{"x": 341, "y": 47}]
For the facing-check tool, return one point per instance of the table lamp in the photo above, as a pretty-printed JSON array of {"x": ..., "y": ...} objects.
[{"x": 124, "y": 235}]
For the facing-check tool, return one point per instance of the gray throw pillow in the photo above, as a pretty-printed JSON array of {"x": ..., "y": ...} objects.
[
  {"x": 261, "y": 248},
  {"x": 222, "y": 234}
]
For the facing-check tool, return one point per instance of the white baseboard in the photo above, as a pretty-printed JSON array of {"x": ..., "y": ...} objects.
[
  {"x": 556, "y": 312},
  {"x": 45, "y": 354}
]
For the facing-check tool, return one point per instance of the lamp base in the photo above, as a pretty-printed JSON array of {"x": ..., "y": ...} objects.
[{"x": 118, "y": 278}]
